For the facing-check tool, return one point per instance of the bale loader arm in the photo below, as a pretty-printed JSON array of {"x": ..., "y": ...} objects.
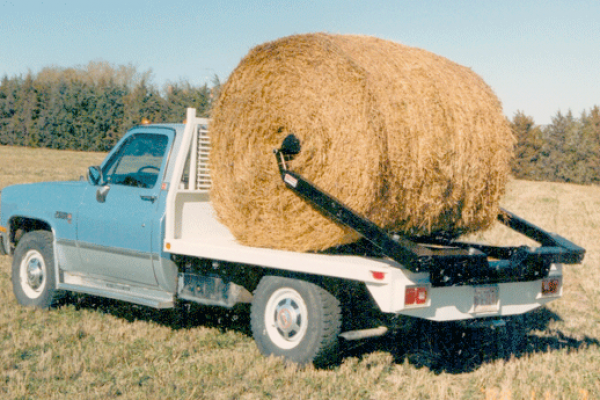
[{"x": 449, "y": 262}]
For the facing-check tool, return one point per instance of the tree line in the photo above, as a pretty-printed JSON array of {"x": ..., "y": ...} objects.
[
  {"x": 89, "y": 108},
  {"x": 566, "y": 150}
]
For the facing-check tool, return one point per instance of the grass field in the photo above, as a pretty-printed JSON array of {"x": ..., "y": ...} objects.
[{"x": 91, "y": 348}]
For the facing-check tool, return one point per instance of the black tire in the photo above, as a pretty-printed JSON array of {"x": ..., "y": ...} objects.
[
  {"x": 33, "y": 273},
  {"x": 297, "y": 320}
]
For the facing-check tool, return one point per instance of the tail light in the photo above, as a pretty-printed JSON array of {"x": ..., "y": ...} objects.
[
  {"x": 551, "y": 286},
  {"x": 415, "y": 296}
]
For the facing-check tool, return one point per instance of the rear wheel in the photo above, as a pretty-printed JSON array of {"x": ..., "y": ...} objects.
[
  {"x": 295, "y": 319},
  {"x": 33, "y": 275}
]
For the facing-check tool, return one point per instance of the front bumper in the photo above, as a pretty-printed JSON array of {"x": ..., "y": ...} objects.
[{"x": 3, "y": 241}]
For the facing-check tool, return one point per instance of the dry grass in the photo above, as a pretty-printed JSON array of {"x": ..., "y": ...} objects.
[
  {"x": 95, "y": 349},
  {"x": 24, "y": 164}
]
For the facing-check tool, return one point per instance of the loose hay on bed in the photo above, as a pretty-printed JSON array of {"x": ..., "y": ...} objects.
[{"x": 406, "y": 138}]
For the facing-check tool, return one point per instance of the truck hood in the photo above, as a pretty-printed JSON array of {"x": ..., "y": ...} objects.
[{"x": 40, "y": 200}]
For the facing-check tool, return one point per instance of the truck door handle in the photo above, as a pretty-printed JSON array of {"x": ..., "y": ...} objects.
[{"x": 148, "y": 198}]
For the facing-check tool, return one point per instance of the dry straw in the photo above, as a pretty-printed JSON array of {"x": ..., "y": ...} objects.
[{"x": 406, "y": 138}]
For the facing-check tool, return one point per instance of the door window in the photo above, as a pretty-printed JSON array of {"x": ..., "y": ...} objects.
[{"x": 137, "y": 162}]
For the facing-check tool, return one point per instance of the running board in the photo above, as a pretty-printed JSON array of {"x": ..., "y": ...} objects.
[
  {"x": 117, "y": 291},
  {"x": 364, "y": 333}
]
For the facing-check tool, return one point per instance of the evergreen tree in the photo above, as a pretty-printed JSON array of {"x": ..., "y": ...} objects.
[
  {"x": 527, "y": 149},
  {"x": 8, "y": 93},
  {"x": 181, "y": 95},
  {"x": 107, "y": 115},
  {"x": 26, "y": 108},
  {"x": 143, "y": 102},
  {"x": 90, "y": 107},
  {"x": 590, "y": 146}
]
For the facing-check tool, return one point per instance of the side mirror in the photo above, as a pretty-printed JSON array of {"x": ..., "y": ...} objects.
[{"x": 94, "y": 175}]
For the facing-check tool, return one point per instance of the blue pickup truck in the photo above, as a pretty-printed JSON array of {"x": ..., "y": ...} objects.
[{"x": 142, "y": 229}]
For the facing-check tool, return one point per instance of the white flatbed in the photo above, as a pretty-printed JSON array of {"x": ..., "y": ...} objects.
[{"x": 193, "y": 230}]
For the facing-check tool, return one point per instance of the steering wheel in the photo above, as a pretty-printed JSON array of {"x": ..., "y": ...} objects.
[
  {"x": 131, "y": 181},
  {"x": 148, "y": 167}
]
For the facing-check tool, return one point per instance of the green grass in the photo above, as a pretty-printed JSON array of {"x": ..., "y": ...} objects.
[{"x": 90, "y": 348}]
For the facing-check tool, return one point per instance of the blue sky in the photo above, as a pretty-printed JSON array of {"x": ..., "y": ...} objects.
[{"x": 538, "y": 56}]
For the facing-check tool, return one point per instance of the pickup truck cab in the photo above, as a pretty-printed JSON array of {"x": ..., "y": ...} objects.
[{"x": 142, "y": 229}]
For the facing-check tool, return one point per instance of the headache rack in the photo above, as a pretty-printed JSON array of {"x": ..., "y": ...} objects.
[{"x": 449, "y": 262}]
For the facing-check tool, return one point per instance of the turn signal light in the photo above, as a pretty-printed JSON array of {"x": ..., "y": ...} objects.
[{"x": 416, "y": 296}]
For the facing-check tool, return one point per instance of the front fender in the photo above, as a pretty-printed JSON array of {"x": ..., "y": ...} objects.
[{"x": 49, "y": 205}]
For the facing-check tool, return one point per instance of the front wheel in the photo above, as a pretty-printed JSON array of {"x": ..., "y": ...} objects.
[
  {"x": 33, "y": 275},
  {"x": 295, "y": 319}
]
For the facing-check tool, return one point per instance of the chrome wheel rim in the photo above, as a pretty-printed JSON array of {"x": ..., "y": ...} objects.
[{"x": 33, "y": 274}]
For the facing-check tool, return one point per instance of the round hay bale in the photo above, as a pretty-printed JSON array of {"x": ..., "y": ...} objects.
[{"x": 409, "y": 139}]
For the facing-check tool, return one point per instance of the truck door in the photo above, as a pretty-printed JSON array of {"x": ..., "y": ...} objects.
[{"x": 116, "y": 218}]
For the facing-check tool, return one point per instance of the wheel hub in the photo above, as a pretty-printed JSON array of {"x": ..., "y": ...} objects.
[
  {"x": 35, "y": 274},
  {"x": 288, "y": 318}
]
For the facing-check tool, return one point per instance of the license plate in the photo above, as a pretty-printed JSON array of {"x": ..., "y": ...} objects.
[{"x": 487, "y": 299}]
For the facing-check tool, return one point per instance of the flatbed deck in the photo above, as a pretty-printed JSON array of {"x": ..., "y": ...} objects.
[{"x": 201, "y": 235}]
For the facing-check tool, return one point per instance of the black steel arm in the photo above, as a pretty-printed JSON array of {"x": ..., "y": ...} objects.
[
  {"x": 566, "y": 252},
  {"x": 453, "y": 263},
  {"x": 414, "y": 256}
]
